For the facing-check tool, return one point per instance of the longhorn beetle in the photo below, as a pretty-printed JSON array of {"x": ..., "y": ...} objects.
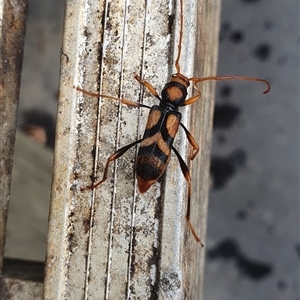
[{"x": 162, "y": 126}]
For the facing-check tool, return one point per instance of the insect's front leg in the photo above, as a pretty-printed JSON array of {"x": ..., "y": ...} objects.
[
  {"x": 194, "y": 98},
  {"x": 147, "y": 85},
  {"x": 192, "y": 141}
]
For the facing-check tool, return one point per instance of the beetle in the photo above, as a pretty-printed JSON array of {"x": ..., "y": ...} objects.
[{"x": 162, "y": 126}]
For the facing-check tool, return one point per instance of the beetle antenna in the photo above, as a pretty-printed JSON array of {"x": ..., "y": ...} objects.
[
  {"x": 217, "y": 78},
  {"x": 177, "y": 66}
]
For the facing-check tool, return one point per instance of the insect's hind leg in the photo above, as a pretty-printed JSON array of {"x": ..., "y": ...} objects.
[
  {"x": 187, "y": 176},
  {"x": 113, "y": 157}
]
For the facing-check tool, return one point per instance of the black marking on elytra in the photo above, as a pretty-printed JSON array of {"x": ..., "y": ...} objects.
[{"x": 153, "y": 149}]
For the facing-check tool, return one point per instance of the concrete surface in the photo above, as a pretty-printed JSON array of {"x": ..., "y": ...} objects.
[
  {"x": 252, "y": 245},
  {"x": 253, "y": 224}
]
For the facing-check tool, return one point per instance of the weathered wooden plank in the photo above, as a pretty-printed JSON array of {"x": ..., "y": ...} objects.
[
  {"x": 21, "y": 280},
  {"x": 30, "y": 197},
  {"x": 206, "y": 55},
  {"x": 12, "y": 31},
  {"x": 114, "y": 243}
]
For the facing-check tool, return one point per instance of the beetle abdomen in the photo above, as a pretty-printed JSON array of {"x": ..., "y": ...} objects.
[{"x": 148, "y": 170}]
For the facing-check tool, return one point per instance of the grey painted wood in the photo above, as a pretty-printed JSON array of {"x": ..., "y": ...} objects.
[{"x": 110, "y": 242}]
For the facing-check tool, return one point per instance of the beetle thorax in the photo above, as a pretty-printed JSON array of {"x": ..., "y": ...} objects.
[{"x": 175, "y": 91}]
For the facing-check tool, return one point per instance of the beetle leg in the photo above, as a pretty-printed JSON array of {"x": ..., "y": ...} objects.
[
  {"x": 192, "y": 141},
  {"x": 146, "y": 84},
  {"x": 113, "y": 157},
  {"x": 194, "y": 98},
  {"x": 122, "y": 100},
  {"x": 187, "y": 175}
]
